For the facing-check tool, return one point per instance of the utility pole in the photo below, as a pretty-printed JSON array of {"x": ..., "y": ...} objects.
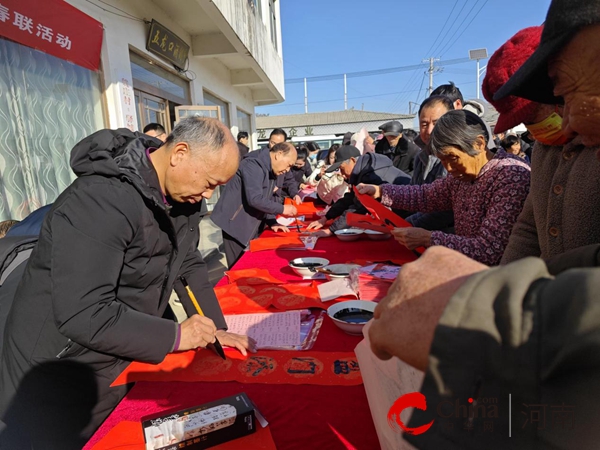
[
  {"x": 305, "y": 97},
  {"x": 479, "y": 73},
  {"x": 345, "y": 94},
  {"x": 431, "y": 70},
  {"x": 410, "y": 106}
]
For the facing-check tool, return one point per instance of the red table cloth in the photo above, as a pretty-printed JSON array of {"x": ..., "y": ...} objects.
[{"x": 300, "y": 416}]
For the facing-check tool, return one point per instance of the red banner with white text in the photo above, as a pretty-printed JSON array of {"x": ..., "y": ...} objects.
[{"x": 53, "y": 27}]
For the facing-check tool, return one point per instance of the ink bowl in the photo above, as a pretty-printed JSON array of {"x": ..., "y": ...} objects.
[
  {"x": 348, "y": 234},
  {"x": 333, "y": 271},
  {"x": 307, "y": 267},
  {"x": 351, "y": 316}
]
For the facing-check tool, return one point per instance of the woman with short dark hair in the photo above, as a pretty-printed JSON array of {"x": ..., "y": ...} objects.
[
  {"x": 486, "y": 191},
  {"x": 512, "y": 145}
]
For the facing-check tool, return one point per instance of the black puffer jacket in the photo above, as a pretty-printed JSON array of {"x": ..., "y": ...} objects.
[
  {"x": 403, "y": 155},
  {"x": 99, "y": 280}
]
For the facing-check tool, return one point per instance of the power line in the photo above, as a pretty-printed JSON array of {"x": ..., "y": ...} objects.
[
  {"x": 365, "y": 73},
  {"x": 128, "y": 16},
  {"x": 119, "y": 9},
  {"x": 420, "y": 89},
  {"x": 340, "y": 99},
  {"x": 368, "y": 73},
  {"x": 442, "y": 41},
  {"x": 413, "y": 78},
  {"x": 397, "y": 98},
  {"x": 465, "y": 29},
  {"x": 442, "y": 29},
  {"x": 445, "y": 46}
]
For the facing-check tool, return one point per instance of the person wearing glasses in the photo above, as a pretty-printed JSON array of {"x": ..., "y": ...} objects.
[{"x": 156, "y": 130}]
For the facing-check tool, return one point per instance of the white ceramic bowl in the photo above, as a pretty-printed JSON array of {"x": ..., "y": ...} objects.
[
  {"x": 299, "y": 265},
  {"x": 339, "y": 270},
  {"x": 340, "y": 308},
  {"x": 349, "y": 234},
  {"x": 377, "y": 235}
]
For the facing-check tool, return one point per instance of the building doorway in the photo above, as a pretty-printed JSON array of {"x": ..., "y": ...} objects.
[{"x": 158, "y": 91}]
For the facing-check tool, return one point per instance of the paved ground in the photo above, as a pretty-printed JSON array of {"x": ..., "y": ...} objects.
[{"x": 211, "y": 247}]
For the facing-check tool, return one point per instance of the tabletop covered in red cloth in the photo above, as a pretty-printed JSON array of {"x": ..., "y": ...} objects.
[
  {"x": 331, "y": 248},
  {"x": 300, "y": 416}
]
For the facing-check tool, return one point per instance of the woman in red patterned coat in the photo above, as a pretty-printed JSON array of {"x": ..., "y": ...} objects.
[{"x": 486, "y": 191}]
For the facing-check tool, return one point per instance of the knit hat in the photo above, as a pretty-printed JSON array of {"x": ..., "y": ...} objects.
[
  {"x": 564, "y": 20},
  {"x": 501, "y": 66}
]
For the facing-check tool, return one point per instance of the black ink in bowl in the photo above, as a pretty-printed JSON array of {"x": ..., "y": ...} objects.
[
  {"x": 353, "y": 315},
  {"x": 306, "y": 265}
]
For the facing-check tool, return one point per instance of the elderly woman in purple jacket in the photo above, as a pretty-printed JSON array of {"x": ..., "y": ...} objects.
[{"x": 486, "y": 191}]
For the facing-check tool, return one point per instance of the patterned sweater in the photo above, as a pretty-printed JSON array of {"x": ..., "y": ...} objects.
[{"x": 485, "y": 210}]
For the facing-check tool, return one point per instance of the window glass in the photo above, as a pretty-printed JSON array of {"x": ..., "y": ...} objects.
[
  {"x": 211, "y": 100},
  {"x": 47, "y": 105}
]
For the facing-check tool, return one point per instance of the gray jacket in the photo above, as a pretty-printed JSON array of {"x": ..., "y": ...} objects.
[
  {"x": 562, "y": 210},
  {"x": 515, "y": 332}
]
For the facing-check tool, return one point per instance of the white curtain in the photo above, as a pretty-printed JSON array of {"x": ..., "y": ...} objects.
[{"x": 47, "y": 105}]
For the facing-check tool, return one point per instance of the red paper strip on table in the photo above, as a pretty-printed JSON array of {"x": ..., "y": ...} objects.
[
  {"x": 251, "y": 277},
  {"x": 270, "y": 367},
  {"x": 127, "y": 435},
  {"x": 303, "y": 209},
  {"x": 365, "y": 222},
  {"x": 236, "y": 299},
  {"x": 288, "y": 240}
]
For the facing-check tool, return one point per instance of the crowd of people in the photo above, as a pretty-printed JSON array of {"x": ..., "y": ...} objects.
[{"x": 506, "y": 300}]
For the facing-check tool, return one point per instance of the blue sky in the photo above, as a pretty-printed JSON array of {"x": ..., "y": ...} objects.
[{"x": 325, "y": 37}]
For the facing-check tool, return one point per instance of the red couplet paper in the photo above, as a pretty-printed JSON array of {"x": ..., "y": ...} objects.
[
  {"x": 128, "y": 435},
  {"x": 269, "y": 367},
  {"x": 251, "y": 277},
  {"x": 380, "y": 212},
  {"x": 304, "y": 209},
  {"x": 240, "y": 299},
  {"x": 385, "y": 216},
  {"x": 287, "y": 240}
]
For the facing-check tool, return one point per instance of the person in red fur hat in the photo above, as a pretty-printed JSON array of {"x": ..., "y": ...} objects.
[{"x": 560, "y": 213}]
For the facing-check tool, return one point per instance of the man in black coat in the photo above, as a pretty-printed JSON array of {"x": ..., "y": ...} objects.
[
  {"x": 397, "y": 147},
  {"x": 248, "y": 202},
  {"x": 242, "y": 143},
  {"x": 369, "y": 168},
  {"x": 95, "y": 289}
]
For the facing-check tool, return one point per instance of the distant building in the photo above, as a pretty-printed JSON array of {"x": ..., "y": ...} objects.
[{"x": 327, "y": 126}]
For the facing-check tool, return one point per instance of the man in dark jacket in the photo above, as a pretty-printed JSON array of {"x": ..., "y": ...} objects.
[
  {"x": 368, "y": 168},
  {"x": 247, "y": 201},
  {"x": 94, "y": 291},
  {"x": 397, "y": 147},
  {"x": 242, "y": 142},
  {"x": 428, "y": 168}
]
